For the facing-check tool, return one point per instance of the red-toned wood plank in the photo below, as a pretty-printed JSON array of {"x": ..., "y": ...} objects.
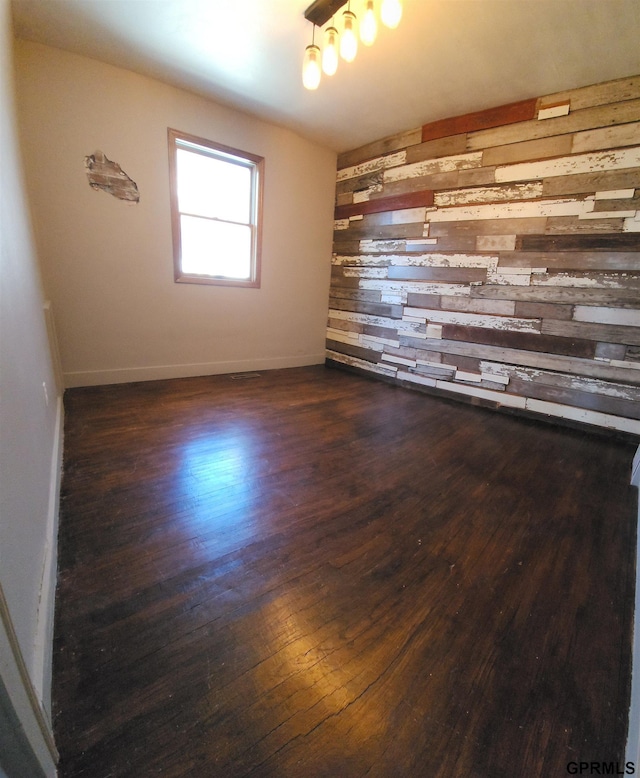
[
  {"x": 395, "y": 203},
  {"x": 481, "y": 120}
]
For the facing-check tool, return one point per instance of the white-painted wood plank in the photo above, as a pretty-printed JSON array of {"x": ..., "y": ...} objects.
[
  {"x": 341, "y": 224},
  {"x": 615, "y": 159},
  {"x": 463, "y": 375},
  {"x": 509, "y": 323},
  {"x": 421, "y": 287},
  {"x": 552, "y": 111},
  {"x": 583, "y": 415},
  {"x": 626, "y": 317},
  {"x": 478, "y": 305},
  {"x": 431, "y": 166},
  {"x": 527, "y": 209},
  {"x": 378, "y": 163},
  {"x": 489, "y": 194},
  {"x": 615, "y": 194},
  {"x": 373, "y": 367}
]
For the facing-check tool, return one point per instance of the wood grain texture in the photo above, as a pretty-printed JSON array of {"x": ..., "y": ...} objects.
[
  {"x": 313, "y": 574},
  {"x": 480, "y": 120},
  {"x": 395, "y": 203},
  {"x": 528, "y": 254}
]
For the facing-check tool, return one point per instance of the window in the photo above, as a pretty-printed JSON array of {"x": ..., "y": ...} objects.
[{"x": 216, "y": 198}]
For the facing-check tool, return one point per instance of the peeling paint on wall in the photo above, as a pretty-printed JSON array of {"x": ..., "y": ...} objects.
[{"x": 109, "y": 176}]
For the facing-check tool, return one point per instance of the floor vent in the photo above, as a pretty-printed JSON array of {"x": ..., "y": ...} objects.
[{"x": 236, "y": 376}]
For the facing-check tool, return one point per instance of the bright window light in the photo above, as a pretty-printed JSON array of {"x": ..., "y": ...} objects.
[{"x": 215, "y": 202}]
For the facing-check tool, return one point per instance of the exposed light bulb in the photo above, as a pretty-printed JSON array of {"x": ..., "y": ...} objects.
[
  {"x": 311, "y": 71},
  {"x": 391, "y": 13},
  {"x": 369, "y": 26},
  {"x": 348, "y": 39},
  {"x": 330, "y": 51}
]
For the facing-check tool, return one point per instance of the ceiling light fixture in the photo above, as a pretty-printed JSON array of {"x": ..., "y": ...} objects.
[
  {"x": 346, "y": 44},
  {"x": 349, "y": 38},
  {"x": 330, "y": 51},
  {"x": 391, "y": 13},
  {"x": 311, "y": 71},
  {"x": 369, "y": 26}
]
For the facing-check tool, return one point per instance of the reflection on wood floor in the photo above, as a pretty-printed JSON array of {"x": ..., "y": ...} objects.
[{"x": 310, "y": 573}]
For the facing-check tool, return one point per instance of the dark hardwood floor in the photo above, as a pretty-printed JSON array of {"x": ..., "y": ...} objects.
[{"x": 310, "y": 573}]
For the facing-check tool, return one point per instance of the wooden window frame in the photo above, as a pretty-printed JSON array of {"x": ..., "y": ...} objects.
[{"x": 255, "y": 163}]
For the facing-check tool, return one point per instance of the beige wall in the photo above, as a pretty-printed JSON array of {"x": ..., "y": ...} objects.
[
  {"x": 108, "y": 265},
  {"x": 29, "y": 449}
]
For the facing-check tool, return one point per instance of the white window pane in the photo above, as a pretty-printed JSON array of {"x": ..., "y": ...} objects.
[
  {"x": 212, "y": 187},
  {"x": 215, "y": 248}
]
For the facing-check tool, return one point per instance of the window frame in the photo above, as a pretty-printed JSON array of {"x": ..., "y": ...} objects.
[{"x": 255, "y": 163}]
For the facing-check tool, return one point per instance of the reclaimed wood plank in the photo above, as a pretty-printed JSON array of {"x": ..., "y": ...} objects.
[
  {"x": 365, "y": 231},
  {"x": 394, "y": 203},
  {"x": 575, "y": 164},
  {"x": 576, "y": 225},
  {"x": 451, "y": 274},
  {"x": 486, "y": 321},
  {"x": 379, "y": 163},
  {"x": 572, "y": 347},
  {"x": 527, "y": 150},
  {"x": 573, "y": 260},
  {"x": 493, "y": 194},
  {"x": 432, "y": 166},
  {"x": 601, "y": 315},
  {"x": 606, "y": 138},
  {"x": 441, "y": 147},
  {"x": 616, "y": 91},
  {"x": 379, "y": 148},
  {"x": 518, "y": 226},
  {"x": 478, "y": 120},
  {"x": 607, "y": 333},
  {"x": 474, "y": 305},
  {"x": 560, "y": 363},
  {"x": 584, "y": 416},
  {"x": 557, "y": 294},
  {"x": 576, "y": 121},
  {"x": 353, "y": 351},
  {"x": 365, "y": 181},
  {"x": 622, "y": 242},
  {"x": 557, "y": 394},
  {"x": 544, "y": 310},
  {"x": 609, "y": 351},
  {"x": 590, "y": 183}
]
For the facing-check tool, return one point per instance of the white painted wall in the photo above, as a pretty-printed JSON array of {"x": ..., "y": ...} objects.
[
  {"x": 29, "y": 447},
  {"x": 108, "y": 265}
]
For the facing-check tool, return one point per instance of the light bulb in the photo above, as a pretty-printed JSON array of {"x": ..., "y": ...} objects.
[
  {"x": 369, "y": 26},
  {"x": 330, "y": 51},
  {"x": 311, "y": 71},
  {"x": 348, "y": 39},
  {"x": 391, "y": 13}
]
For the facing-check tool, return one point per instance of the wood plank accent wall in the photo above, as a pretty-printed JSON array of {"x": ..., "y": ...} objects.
[{"x": 496, "y": 257}]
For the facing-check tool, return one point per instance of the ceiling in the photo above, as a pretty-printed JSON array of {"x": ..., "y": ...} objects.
[{"x": 447, "y": 57}]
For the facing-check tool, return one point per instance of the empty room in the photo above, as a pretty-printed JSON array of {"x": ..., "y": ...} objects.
[{"x": 319, "y": 388}]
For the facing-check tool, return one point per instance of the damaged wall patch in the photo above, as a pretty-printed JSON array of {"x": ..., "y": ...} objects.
[{"x": 109, "y": 176}]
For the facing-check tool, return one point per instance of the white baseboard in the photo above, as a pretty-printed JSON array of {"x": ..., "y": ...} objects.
[
  {"x": 128, "y": 375},
  {"x": 633, "y": 733},
  {"x": 41, "y": 672}
]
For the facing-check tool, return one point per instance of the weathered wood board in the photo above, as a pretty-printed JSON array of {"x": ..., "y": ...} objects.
[{"x": 496, "y": 256}]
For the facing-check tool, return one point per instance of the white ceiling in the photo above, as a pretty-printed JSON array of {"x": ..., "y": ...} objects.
[{"x": 447, "y": 57}]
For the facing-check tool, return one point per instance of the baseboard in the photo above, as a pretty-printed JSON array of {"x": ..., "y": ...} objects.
[
  {"x": 42, "y": 664},
  {"x": 129, "y": 375},
  {"x": 633, "y": 733}
]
